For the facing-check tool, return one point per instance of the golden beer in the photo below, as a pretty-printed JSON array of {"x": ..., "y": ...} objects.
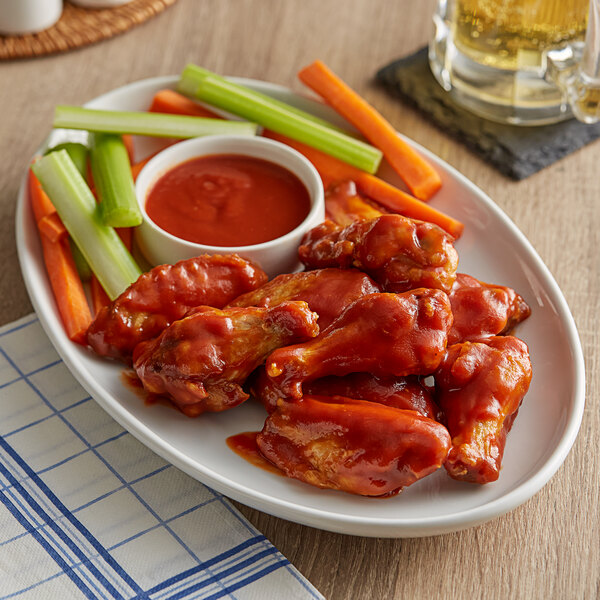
[
  {"x": 519, "y": 61},
  {"x": 513, "y": 34}
]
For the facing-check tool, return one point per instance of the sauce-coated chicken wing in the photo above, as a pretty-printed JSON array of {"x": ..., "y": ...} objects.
[
  {"x": 382, "y": 334},
  {"x": 399, "y": 392},
  {"x": 202, "y": 360},
  {"x": 344, "y": 205},
  {"x": 356, "y": 446},
  {"x": 483, "y": 310},
  {"x": 164, "y": 295},
  {"x": 326, "y": 291},
  {"x": 399, "y": 253},
  {"x": 480, "y": 386}
]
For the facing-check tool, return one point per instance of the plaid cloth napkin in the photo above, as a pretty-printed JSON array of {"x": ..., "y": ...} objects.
[{"x": 89, "y": 512}]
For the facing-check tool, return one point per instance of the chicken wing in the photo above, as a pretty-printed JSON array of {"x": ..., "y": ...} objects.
[
  {"x": 202, "y": 360},
  {"x": 355, "y": 446},
  {"x": 399, "y": 392},
  {"x": 399, "y": 253},
  {"x": 344, "y": 205},
  {"x": 480, "y": 387},
  {"x": 483, "y": 310},
  {"x": 327, "y": 291},
  {"x": 382, "y": 334},
  {"x": 164, "y": 295}
]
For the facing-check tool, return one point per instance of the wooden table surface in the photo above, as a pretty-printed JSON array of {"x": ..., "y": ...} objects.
[{"x": 548, "y": 547}]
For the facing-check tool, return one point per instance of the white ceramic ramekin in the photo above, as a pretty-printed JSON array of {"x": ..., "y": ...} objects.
[
  {"x": 276, "y": 256},
  {"x": 28, "y": 16}
]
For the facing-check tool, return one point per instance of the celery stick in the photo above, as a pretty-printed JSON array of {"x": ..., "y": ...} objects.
[
  {"x": 77, "y": 152},
  {"x": 192, "y": 76},
  {"x": 145, "y": 123},
  {"x": 114, "y": 184},
  {"x": 85, "y": 273},
  {"x": 79, "y": 155},
  {"x": 102, "y": 248},
  {"x": 237, "y": 100}
]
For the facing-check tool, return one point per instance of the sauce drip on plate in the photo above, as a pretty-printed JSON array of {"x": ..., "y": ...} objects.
[
  {"x": 244, "y": 445},
  {"x": 228, "y": 200}
]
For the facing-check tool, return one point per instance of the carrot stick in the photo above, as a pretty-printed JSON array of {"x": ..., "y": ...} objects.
[
  {"x": 126, "y": 235},
  {"x": 99, "y": 297},
  {"x": 52, "y": 227},
  {"x": 168, "y": 101},
  {"x": 45, "y": 214},
  {"x": 128, "y": 143},
  {"x": 329, "y": 167},
  {"x": 62, "y": 272},
  {"x": 89, "y": 178},
  {"x": 333, "y": 170},
  {"x": 68, "y": 290},
  {"x": 138, "y": 166},
  {"x": 40, "y": 203},
  {"x": 395, "y": 200},
  {"x": 420, "y": 177}
]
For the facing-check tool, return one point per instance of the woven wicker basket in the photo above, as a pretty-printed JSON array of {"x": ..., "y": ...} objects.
[{"x": 80, "y": 27}]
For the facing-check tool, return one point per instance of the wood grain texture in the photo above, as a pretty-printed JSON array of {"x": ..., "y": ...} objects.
[{"x": 547, "y": 548}]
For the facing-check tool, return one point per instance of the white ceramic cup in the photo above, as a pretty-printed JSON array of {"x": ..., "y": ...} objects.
[
  {"x": 276, "y": 256},
  {"x": 28, "y": 16}
]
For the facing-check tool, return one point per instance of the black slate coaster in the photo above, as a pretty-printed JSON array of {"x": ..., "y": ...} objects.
[{"x": 515, "y": 151}]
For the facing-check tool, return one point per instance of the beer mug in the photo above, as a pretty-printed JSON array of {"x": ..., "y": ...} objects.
[{"x": 524, "y": 62}]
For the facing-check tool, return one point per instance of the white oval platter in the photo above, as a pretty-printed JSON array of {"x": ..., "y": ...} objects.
[{"x": 491, "y": 249}]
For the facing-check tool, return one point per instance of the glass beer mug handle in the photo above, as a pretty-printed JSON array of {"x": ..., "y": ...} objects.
[
  {"x": 438, "y": 45},
  {"x": 575, "y": 69}
]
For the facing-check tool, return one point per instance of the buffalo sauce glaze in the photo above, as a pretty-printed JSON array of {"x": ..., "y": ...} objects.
[
  {"x": 228, "y": 200},
  {"x": 134, "y": 383},
  {"x": 244, "y": 445}
]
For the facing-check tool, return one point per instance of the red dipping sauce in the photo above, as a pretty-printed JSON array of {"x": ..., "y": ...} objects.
[
  {"x": 228, "y": 200},
  {"x": 244, "y": 445}
]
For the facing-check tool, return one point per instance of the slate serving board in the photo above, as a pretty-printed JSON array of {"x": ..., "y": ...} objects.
[{"x": 515, "y": 151}]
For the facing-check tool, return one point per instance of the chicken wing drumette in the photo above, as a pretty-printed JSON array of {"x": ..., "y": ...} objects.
[
  {"x": 164, "y": 295},
  {"x": 202, "y": 360},
  {"x": 483, "y": 310},
  {"x": 480, "y": 387},
  {"x": 399, "y": 392},
  {"x": 382, "y": 334},
  {"x": 326, "y": 291},
  {"x": 355, "y": 446},
  {"x": 399, "y": 253}
]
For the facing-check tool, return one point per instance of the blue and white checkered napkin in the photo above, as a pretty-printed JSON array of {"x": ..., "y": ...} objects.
[{"x": 89, "y": 512}]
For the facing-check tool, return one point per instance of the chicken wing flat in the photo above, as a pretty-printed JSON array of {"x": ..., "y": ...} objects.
[
  {"x": 202, "y": 360},
  {"x": 399, "y": 392},
  {"x": 326, "y": 291},
  {"x": 164, "y": 295},
  {"x": 356, "y": 446},
  {"x": 483, "y": 310},
  {"x": 344, "y": 205},
  {"x": 480, "y": 388},
  {"x": 382, "y": 334},
  {"x": 399, "y": 253}
]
